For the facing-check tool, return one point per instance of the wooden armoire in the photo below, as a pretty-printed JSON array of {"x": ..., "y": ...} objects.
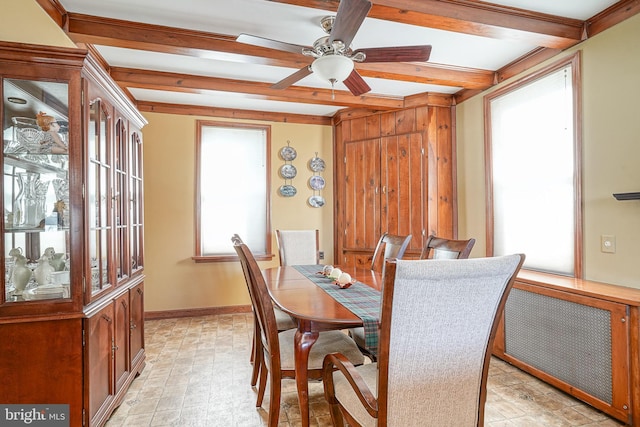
[{"x": 394, "y": 172}]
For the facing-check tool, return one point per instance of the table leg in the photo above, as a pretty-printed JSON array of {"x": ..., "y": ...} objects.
[{"x": 303, "y": 342}]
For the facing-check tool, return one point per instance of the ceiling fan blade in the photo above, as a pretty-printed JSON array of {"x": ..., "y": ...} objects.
[
  {"x": 288, "y": 81},
  {"x": 271, "y": 44},
  {"x": 396, "y": 54},
  {"x": 350, "y": 15},
  {"x": 356, "y": 84}
]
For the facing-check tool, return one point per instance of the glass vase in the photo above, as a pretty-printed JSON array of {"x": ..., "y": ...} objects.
[
  {"x": 61, "y": 188},
  {"x": 29, "y": 205}
]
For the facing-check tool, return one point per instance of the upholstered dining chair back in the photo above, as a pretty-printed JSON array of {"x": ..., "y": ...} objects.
[
  {"x": 437, "y": 326},
  {"x": 441, "y": 248},
  {"x": 298, "y": 247},
  {"x": 389, "y": 246}
]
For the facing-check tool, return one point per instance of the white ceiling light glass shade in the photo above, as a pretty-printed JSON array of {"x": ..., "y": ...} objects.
[{"x": 332, "y": 68}]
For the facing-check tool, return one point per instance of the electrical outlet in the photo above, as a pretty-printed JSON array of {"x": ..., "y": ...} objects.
[
  {"x": 608, "y": 243},
  {"x": 321, "y": 254}
]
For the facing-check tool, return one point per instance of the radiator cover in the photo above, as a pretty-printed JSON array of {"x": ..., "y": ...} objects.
[{"x": 569, "y": 341}]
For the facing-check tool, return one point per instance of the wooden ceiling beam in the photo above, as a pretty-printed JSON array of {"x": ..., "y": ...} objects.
[
  {"x": 471, "y": 17},
  {"x": 157, "y": 38},
  {"x": 231, "y": 113},
  {"x": 175, "y": 82},
  {"x": 436, "y": 74},
  {"x": 611, "y": 16}
]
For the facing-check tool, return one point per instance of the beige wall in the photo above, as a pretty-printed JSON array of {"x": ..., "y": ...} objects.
[
  {"x": 174, "y": 281},
  {"x": 611, "y": 155},
  {"x": 25, "y": 22}
]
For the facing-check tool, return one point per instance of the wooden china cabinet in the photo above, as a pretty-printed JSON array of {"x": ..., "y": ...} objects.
[{"x": 71, "y": 299}]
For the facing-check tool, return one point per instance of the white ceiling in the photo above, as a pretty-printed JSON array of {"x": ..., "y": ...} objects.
[{"x": 299, "y": 25}]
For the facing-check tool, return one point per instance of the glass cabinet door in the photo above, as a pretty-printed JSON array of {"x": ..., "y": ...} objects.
[
  {"x": 135, "y": 203},
  {"x": 37, "y": 219},
  {"x": 120, "y": 202},
  {"x": 99, "y": 194}
]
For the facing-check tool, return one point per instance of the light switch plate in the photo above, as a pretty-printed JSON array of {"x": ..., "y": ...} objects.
[{"x": 608, "y": 243}]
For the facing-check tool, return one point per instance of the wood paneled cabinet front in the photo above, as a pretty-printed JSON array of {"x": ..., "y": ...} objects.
[
  {"x": 71, "y": 298},
  {"x": 114, "y": 352},
  {"x": 395, "y": 171}
]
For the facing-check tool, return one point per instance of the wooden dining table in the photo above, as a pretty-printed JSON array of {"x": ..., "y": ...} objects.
[{"x": 314, "y": 310}]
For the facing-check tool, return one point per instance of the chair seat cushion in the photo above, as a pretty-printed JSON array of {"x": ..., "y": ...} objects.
[
  {"x": 283, "y": 320},
  {"x": 328, "y": 342},
  {"x": 358, "y": 336},
  {"x": 347, "y": 397}
]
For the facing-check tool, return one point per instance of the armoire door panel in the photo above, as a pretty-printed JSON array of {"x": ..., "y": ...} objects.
[
  {"x": 370, "y": 225},
  {"x": 389, "y": 184},
  {"x": 402, "y": 175},
  {"x": 362, "y": 160},
  {"x": 351, "y": 200}
]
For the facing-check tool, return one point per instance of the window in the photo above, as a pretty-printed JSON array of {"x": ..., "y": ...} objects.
[
  {"x": 533, "y": 171},
  {"x": 232, "y": 194}
]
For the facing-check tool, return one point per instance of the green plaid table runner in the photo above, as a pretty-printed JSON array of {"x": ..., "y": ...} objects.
[{"x": 360, "y": 299}]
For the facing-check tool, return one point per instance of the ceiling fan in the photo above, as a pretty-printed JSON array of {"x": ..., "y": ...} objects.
[{"x": 334, "y": 58}]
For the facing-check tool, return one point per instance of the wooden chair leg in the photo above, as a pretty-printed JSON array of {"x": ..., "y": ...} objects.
[
  {"x": 252, "y": 356},
  {"x": 262, "y": 385},
  {"x": 256, "y": 349},
  {"x": 274, "y": 399},
  {"x": 336, "y": 415}
]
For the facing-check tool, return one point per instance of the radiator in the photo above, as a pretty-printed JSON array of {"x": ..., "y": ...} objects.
[{"x": 566, "y": 340}]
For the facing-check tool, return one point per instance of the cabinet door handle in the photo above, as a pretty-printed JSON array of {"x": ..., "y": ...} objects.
[{"x": 114, "y": 348}]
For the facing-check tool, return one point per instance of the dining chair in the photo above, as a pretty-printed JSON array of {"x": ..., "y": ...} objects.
[
  {"x": 389, "y": 246},
  {"x": 298, "y": 247},
  {"x": 283, "y": 320},
  {"x": 434, "y": 248},
  {"x": 441, "y": 248},
  {"x": 277, "y": 355},
  {"x": 437, "y": 326}
]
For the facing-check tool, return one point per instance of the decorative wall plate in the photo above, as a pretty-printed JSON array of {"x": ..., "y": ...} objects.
[
  {"x": 316, "y": 182},
  {"x": 288, "y": 153},
  {"x": 316, "y": 201},
  {"x": 288, "y": 171},
  {"x": 316, "y": 164},
  {"x": 287, "y": 190}
]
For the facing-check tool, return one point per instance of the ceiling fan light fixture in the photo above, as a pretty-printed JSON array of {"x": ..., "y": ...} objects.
[{"x": 332, "y": 68}]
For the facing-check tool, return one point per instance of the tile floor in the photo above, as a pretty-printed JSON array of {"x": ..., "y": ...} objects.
[{"x": 198, "y": 374}]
